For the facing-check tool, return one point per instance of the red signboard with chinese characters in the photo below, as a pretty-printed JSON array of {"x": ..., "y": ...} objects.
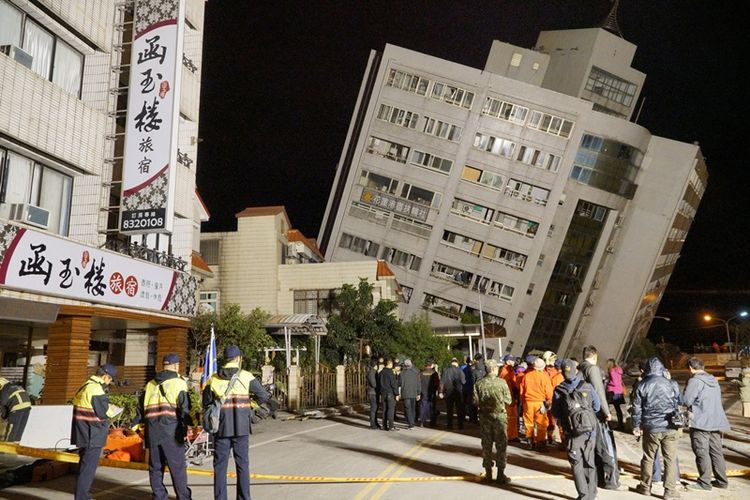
[
  {"x": 148, "y": 178},
  {"x": 50, "y": 265}
]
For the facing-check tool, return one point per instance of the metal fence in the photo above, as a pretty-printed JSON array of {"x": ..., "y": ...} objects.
[
  {"x": 355, "y": 384},
  {"x": 281, "y": 392},
  {"x": 317, "y": 389}
]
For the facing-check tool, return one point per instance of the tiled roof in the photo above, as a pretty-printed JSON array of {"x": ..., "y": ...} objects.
[
  {"x": 198, "y": 263},
  {"x": 296, "y": 235}
]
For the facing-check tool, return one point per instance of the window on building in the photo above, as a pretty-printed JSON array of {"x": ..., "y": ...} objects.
[
  {"x": 550, "y": 124},
  {"x": 318, "y": 302},
  {"x": 431, "y": 161},
  {"x": 387, "y": 149},
  {"x": 450, "y": 273},
  {"x": 516, "y": 224},
  {"x": 401, "y": 258},
  {"x": 406, "y": 292},
  {"x": 503, "y": 255},
  {"x": 462, "y": 242},
  {"x": 398, "y": 116},
  {"x": 611, "y": 87},
  {"x": 24, "y": 181},
  {"x": 474, "y": 211},
  {"x": 515, "y": 61},
  {"x": 441, "y": 306},
  {"x": 537, "y": 158},
  {"x": 442, "y": 129},
  {"x": 209, "y": 301},
  {"x": 527, "y": 192},
  {"x": 495, "y": 145},
  {"x": 210, "y": 252},
  {"x": 505, "y": 110},
  {"x": 451, "y": 94},
  {"x": 359, "y": 245},
  {"x": 378, "y": 182},
  {"x": 407, "y": 81},
  {"x": 421, "y": 195},
  {"x": 53, "y": 59}
]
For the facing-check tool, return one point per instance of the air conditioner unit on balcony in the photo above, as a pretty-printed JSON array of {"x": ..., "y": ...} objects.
[
  {"x": 29, "y": 214},
  {"x": 18, "y": 54}
]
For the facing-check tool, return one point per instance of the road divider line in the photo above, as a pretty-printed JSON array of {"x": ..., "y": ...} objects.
[{"x": 406, "y": 463}]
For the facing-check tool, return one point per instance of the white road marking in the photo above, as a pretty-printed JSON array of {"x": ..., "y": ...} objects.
[{"x": 292, "y": 434}]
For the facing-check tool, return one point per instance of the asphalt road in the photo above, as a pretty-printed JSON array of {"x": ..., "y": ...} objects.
[{"x": 345, "y": 447}]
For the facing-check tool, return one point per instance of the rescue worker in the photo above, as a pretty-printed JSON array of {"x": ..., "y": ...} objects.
[
  {"x": 91, "y": 414},
  {"x": 164, "y": 408},
  {"x": 492, "y": 395},
  {"x": 536, "y": 394},
  {"x": 234, "y": 423},
  {"x": 15, "y": 407},
  {"x": 509, "y": 375},
  {"x": 550, "y": 358}
]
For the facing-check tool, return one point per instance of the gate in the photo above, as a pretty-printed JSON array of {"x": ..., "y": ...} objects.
[
  {"x": 317, "y": 389},
  {"x": 355, "y": 383},
  {"x": 281, "y": 392}
]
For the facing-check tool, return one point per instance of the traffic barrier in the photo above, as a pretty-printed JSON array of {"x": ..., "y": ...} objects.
[{"x": 64, "y": 456}]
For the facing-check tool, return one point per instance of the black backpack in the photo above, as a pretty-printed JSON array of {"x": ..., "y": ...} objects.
[{"x": 577, "y": 410}]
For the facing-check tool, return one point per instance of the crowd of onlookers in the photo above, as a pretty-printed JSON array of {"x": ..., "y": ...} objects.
[{"x": 568, "y": 404}]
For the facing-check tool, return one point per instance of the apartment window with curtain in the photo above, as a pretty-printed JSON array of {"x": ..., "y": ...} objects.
[
  {"x": 26, "y": 182},
  {"x": 52, "y": 58}
]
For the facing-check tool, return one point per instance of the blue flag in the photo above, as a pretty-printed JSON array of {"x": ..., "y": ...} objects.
[{"x": 209, "y": 365}]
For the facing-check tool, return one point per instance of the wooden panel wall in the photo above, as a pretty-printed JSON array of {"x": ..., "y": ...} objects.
[
  {"x": 171, "y": 340},
  {"x": 67, "y": 357}
]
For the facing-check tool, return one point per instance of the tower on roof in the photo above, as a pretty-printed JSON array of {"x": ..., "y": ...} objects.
[{"x": 610, "y": 22}]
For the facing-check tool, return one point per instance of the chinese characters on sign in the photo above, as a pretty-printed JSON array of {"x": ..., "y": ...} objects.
[
  {"x": 395, "y": 204},
  {"x": 153, "y": 117},
  {"x": 43, "y": 263}
]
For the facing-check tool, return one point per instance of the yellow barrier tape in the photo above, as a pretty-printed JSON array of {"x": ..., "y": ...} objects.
[{"x": 64, "y": 456}]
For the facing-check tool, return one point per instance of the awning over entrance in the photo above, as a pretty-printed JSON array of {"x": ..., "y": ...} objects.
[
  {"x": 297, "y": 324},
  {"x": 28, "y": 311}
]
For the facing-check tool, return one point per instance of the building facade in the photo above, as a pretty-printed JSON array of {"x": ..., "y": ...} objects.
[
  {"x": 523, "y": 190},
  {"x": 268, "y": 264},
  {"x": 74, "y": 290}
]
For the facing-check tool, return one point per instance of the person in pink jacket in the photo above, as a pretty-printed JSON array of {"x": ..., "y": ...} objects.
[{"x": 615, "y": 389}]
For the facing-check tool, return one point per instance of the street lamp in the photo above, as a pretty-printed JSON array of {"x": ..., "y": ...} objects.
[{"x": 743, "y": 314}]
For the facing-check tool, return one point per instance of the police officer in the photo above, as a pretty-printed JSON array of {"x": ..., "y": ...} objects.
[
  {"x": 91, "y": 414},
  {"x": 234, "y": 422},
  {"x": 165, "y": 409},
  {"x": 15, "y": 407},
  {"x": 492, "y": 394}
]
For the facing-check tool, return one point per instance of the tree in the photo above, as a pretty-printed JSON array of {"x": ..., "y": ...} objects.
[
  {"x": 231, "y": 326},
  {"x": 415, "y": 339},
  {"x": 355, "y": 321}
]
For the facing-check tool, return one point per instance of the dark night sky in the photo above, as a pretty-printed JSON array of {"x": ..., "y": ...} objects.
[{"x": 280, "y": 81}]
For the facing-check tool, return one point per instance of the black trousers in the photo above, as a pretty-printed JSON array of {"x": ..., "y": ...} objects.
[
  {"x": 410, "y": 409},
  {"x": 607, "y": 469},
  {"x": 373, "y": 397},
  {"x": 89, "y": 460},
  {"x": 455, "y": 401},
  {"x": 240, "y": 446},
  {"x": 171, "y": 454},
  {"x": 709, "y": 456},
  {"x": 390, "y": 411},
  {"x": 581, "y": 457},
  {"x": 17, "y": 423}
]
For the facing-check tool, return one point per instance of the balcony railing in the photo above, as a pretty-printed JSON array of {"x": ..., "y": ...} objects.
[{"x": 142, "y": 252}]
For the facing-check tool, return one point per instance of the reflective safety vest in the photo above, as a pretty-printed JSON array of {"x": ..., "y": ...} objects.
[
  {"x": 236, "y": 410},
  {"x": 160, "y": 399},
  {"x": 83, "y": 408},
  {"x": 12, "y": 397}
]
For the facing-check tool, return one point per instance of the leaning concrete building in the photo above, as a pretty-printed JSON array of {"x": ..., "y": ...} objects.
[{"x": 525, "y": 189}]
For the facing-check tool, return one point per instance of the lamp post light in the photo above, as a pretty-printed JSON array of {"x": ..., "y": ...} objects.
[
  {"x": 743, "y": 314},
  {"x": 635, "y": 336}
]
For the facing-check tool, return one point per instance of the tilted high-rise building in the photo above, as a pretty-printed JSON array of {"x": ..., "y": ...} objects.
[{"x": 525, "y": 186}]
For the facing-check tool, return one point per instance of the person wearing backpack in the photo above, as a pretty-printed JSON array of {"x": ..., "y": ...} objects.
[
  {"x": 231, "y": 387},
  {"x": 164, "y": 408},
  {"x": 574, "y": 405}
]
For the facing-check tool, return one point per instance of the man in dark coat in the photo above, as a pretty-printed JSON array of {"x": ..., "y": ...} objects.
[
  {"x": 654, "y": 403},
  {"x": 608, "y": 472},
  {"x": 389, "y": 393},
  {"x": 430, "y": 385},
  {"x": 373, "y": 393},
  {"x": 703, "y": 399},
  {"x": 410, "y": 388},
  {"x": 452, "y": 383}
]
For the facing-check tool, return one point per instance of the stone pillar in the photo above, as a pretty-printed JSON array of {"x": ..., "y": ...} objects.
[
  {"x": 172, "y": 339},
  {"x": 341, "y": 384},
  {"x": 293, "y": 389},
  {"x": 67, "y": 358}
]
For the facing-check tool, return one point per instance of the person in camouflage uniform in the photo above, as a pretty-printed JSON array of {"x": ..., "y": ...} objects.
[{"x": 492, "y": 394}]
